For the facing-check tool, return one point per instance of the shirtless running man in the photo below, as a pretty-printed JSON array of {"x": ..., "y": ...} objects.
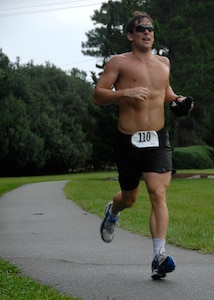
[{"x": 141, "y": 88}]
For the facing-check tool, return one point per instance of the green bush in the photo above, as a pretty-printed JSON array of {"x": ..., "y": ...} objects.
[{"x": 193, "y": 157}]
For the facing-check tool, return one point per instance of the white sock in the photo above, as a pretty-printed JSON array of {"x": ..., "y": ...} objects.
[{"x": 158, "y": 246}]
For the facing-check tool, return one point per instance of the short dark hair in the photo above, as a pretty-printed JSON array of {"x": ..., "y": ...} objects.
[{"x": 136, "y": 19}]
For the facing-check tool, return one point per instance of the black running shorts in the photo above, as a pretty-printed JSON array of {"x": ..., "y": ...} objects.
[{"x": 132, "y": 162}]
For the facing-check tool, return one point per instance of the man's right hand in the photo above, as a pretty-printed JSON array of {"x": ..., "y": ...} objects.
[{"x": 138, "y": 93}]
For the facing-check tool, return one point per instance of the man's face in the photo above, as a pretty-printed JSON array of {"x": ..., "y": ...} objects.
[{"x": 143, "y": 34}]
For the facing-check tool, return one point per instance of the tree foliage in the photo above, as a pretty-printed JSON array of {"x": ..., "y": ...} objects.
[
  {"x": 108, "y": 38},
  {"x": 190, "y": 50},
  {"x": 48, "y": 123},
  {"x": 44, "y": 119},
  {"x": 184, "y": 33}
]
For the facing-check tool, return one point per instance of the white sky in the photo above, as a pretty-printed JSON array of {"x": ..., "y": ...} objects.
[{"x": 45, "y": 30}]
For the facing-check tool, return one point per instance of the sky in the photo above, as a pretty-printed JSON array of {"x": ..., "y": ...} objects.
[{"x": 48, "y": 31}]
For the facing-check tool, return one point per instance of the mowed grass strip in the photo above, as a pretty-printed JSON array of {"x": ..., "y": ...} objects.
[
  {"x": 190, "y": 203},
  {"x": 14, "y": 286}
]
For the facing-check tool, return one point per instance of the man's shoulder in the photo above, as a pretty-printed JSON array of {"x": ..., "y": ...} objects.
[
  {"x": 162, "y": 59},
  {"x": 118, "y": 59},
  {"x": 121, "y": 56}
]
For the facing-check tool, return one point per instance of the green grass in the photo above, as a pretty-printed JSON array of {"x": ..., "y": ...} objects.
[
  {"x": 16, "y": 287},
  {"x": 9, "y": 183},
  {"x": 191, "y": 214},
  {"x": 190, "y": 203}
]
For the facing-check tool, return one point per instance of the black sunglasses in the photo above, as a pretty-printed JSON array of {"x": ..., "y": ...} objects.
[{"x": 142, "y": 28}]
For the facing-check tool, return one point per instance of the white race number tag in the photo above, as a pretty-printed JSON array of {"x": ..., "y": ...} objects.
[{"x": 145, "y": 139}]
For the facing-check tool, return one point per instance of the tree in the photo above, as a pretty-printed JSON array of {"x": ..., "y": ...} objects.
[
  {"x": 19, "y": 145},
  {"x": 190, "y": 50},
  {"x": 45, "y": 125},
  {"x": 59, "y": 111},
  {"x": 108, "y": 38},
  {"x": 179, "y": 36}
]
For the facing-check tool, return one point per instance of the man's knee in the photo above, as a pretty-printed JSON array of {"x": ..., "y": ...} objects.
[
  {"x": 129, "y": 198},
  {"x": 129, "y": 202},
  {"x": 157, "y": 195},
  {"x": 157, "y": 192}
]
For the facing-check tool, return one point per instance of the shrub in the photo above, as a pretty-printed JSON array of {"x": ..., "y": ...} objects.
[{"x": 193, "y": 157}]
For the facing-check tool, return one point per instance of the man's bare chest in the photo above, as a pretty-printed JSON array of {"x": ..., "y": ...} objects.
[{"x": 150, "y": 74}]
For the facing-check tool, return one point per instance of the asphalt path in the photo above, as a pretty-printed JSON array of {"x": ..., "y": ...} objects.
[{"x": 55, "y": 242}]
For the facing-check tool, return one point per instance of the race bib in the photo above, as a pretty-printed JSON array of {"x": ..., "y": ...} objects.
[{"x": 145, "y": 139}]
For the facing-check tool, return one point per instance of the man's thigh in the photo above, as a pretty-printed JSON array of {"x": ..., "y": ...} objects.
[{"x": 156, "y": 181}]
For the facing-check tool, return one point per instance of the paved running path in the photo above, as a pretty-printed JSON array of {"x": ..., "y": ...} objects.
[{"x": 55, "y": 242}]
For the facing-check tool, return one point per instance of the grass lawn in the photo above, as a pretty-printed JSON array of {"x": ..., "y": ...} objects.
[
  {"x": 16, "y": 287},
  {"x": 190, "y": 203}
]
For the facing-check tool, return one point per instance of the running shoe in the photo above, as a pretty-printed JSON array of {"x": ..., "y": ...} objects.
[
  {"x": 161, "y": 265},
  {"x": 108, "y": 225}
]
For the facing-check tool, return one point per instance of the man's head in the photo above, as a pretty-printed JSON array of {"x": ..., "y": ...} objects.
[
  {"x": 136, "y": 20},
  {"x": 140, "y": 31}
]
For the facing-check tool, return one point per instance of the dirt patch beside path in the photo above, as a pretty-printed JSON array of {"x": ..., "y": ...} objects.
[{"x": 192, "y": 175}]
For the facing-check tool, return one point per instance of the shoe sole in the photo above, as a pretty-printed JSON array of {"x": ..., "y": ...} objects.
[
  {"x": 101, "y": 226},
  {"x": 158, "y": 276},
  {"x": 101, "y": 232}
]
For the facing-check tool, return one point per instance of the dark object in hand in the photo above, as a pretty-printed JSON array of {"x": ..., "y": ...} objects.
[{"x": 181, "y": 108}]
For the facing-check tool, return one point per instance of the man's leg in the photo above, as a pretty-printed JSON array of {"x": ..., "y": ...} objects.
[
  {"x": 156, "y": 185},
  {"x": 121, "y": 201},
  {"x": 124, "y": 199}
]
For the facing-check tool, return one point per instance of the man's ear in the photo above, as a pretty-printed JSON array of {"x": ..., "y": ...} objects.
[{"x": 129, "y": 36}]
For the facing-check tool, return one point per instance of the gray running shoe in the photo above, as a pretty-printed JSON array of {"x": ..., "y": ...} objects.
[{"x": 108, "y": 225}]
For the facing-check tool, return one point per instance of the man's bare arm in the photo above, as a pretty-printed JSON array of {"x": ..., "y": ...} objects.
[
  {"x": 170, "y": 95},
  {"x": 104, "y": 93}
]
